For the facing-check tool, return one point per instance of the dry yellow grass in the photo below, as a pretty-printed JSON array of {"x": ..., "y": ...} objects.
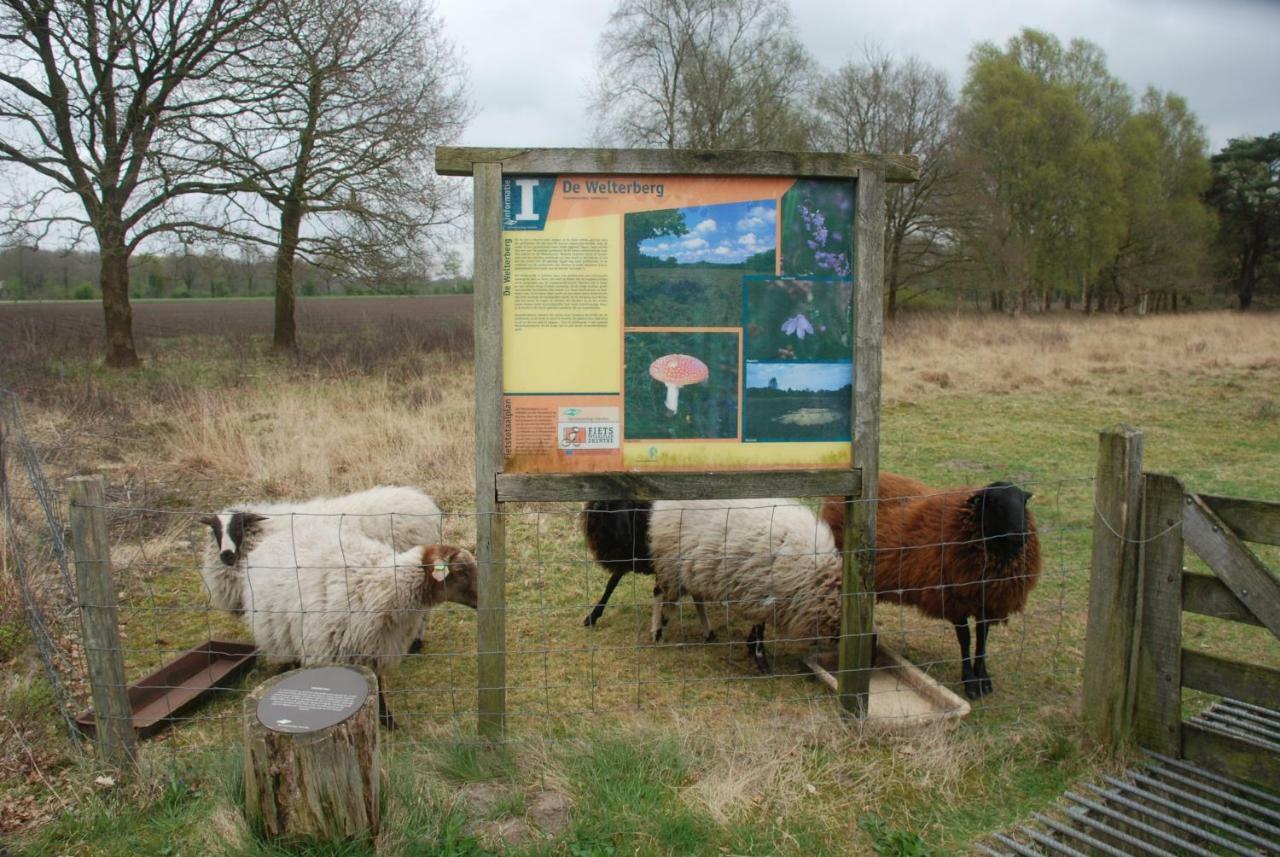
[{"x": 996, "y": 354}]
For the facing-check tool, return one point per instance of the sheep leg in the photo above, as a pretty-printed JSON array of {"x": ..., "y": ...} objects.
[
  {"x": 708, "y": 633},
  {"x": 659, "y": 619},
  {"x": 755, "y": 648},
  {"x": 598, "y": 610},
  {"x": 967, "y": 675},
  {"x": 384, "y": 713},
  {"x": 982, "y": 626}
]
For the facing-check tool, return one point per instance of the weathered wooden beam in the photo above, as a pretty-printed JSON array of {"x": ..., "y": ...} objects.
[
  {"x": 1158, "y": 697},
  {"x": 1229, "y": 756},
  {"x": 491, "y": 541},
  {"x": 461, "y": 161},
  {"x": 574, "y": 487},
  {"x": 1206, "y": 595},
  {"x": 1250, "y": 683},
  {"x": 1251, "y": 520},
  {"x": 1113, "y": 588},
  {"x": 1234, "y": 564},
  {"x": 100, "y": 623},
  {"x": 857, "y": 642}
]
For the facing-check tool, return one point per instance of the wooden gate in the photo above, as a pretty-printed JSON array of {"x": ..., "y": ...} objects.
[{"x": 1136, "y": 663}]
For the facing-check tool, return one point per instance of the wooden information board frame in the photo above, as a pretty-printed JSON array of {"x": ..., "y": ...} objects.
[{"x": 869, "y": 174}]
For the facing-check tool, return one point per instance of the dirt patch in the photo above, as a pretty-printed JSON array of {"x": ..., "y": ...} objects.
[{"x": 550, "y": 811}]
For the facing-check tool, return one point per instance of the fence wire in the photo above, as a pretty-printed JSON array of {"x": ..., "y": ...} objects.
[{"x": 557, "y": 668}]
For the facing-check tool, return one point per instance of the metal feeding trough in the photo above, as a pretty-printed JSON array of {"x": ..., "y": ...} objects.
[
  {"x": 179, "y": 684},
  {"x": 902, "y": 695}
]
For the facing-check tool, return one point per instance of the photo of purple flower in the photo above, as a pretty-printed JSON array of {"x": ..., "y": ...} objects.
[
  {"x": 817, "y": 229},
  {"x": 797, "y": 318},
  {"x": 797, "y": 326}
]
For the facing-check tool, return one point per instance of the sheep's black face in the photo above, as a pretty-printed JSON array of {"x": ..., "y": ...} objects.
[
  {"x": 229, "y": 533},
  {"x": 1001, "y": 509}
]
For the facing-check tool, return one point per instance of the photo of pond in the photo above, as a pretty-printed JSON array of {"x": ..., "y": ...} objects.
[{"x": 797, "y": 402}]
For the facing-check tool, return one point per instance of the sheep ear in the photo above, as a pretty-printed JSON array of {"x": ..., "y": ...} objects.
[
  {"x": 208, "y": 520},
  {"x": 251, "y": 518},
  {"x": 1027, "y": 495}
]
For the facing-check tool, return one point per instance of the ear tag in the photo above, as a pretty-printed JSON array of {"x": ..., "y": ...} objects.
[{"x": 440, "y": 570}]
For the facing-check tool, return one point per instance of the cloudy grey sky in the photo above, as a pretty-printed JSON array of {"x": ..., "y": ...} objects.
[{"x": 532, "y": 62}]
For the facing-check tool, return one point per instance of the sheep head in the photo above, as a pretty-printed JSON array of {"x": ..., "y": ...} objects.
[
  {"x": 229, "y": 532},
  {"x": 449, "y": 574},
  {"x": 1001, "y": 510}
]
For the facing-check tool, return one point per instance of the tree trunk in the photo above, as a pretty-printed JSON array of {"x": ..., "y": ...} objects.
[
  {"x": 285, "y": 335},
  {"x": 117, "y": 314},
  {"x": 317, "y": 786},
  {"x": 1173, "y": 301},
  {"x": 892, "y": 279}
]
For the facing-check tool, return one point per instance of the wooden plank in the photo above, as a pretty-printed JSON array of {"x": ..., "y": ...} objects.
[
  {"x": 1251, "y": 683},
  {"x": 856, "y": 646},
  {"x": 1158, "y": 687},
  {"x": 1206, "y": 595},
  {"x": 1229, "y": 756},
  {"x": 491, "y": 543},
  {"x": 461, "y": 161},
  {"x": 573, "y": 487},
  {"x": 99, "y": 621},
  {"x": 1113, "y": 588},
  {"x": 1251, "y": 520},
  {"x": 1233, "y": 563}
]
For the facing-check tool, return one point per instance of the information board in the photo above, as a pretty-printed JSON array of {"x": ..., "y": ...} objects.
[
  {"x": 676, "y": 323},
  {"x": 312, "y": 699}
]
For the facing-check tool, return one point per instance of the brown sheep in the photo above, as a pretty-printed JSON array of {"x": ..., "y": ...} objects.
[{"x": 967, "y": 552}]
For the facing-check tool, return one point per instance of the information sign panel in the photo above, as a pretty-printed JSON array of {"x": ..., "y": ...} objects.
[{"x": 658, "y": 322}]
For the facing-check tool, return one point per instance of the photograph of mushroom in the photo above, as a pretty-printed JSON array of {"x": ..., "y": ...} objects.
[
  {"x": 681, "y": 384},
  {"x": 797, "y": 318},
  {"x": 688, "y": 263},
  {"x": 817, "y": 229},
  {"x": 797, "y": 402}
]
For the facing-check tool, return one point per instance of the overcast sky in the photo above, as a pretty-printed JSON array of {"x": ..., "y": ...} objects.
[{"x": 532, "y": 62}]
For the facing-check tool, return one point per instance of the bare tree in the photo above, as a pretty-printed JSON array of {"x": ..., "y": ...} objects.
[
  {"x": 333, "y": 118},
  {"x": 90, "y": 92},
  {"x": 722, "y": 74},
  {"x": 882, "y": 105}
]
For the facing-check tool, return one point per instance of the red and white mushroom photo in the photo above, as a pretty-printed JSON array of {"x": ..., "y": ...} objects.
[{"x": 677, "y": 370}]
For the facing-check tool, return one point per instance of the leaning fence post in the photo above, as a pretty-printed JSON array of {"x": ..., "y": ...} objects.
[
  {"x": 1113, "y": 588},
  {"x": 113, "y": 726}
]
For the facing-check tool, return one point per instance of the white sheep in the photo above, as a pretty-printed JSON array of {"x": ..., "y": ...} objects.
[
  {"x": 397, "y": 515},
  {"x": 308, "y": 599},
  {"x": 767, "y": 560}
]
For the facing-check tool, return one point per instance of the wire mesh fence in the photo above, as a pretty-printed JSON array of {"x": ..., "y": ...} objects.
[{"x": 340, "y": 594}]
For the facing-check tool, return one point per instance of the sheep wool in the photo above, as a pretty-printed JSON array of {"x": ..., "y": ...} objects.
[
  {"x": 766, "y": 560},
  {"x": 398, "y": 515},
  {"x": 954, "y": 555}
]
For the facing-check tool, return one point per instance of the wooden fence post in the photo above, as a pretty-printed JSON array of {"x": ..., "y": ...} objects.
[
  {"x": 491, "y": 542},
  {"x": 113, "y": 721},
  {"x": 1158, "y": 714},
  {"x": 857, "y": 650},
  {"x": 1113, "y": 588}
]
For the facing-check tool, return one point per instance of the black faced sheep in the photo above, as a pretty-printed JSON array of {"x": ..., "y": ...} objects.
[
  {"x": 397, "y": 515},
  {"x": 953, "y": 555}
]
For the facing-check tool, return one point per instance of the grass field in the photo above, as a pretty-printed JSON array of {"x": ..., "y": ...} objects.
[{"x": 647, "y": 750}]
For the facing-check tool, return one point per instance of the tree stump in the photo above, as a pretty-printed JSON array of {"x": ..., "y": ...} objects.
[{"x": 311, "y": 762}]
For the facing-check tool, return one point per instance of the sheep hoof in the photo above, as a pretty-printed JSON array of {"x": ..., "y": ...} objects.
[
  {"x": 976, "y": 687},
  {"x": 710, "y": 638},
  {"x": 416, "y": 646},
  {"x": 657, "y": 635},
  {"x": 592, "y": 618},
  {"x": 388, "y": 722}
]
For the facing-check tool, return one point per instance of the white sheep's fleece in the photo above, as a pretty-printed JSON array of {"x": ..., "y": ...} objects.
[
  {"x": 768, "y": 560},
  {"x": 308, "y": 601},
  {"x": 396, "y": 514}
]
